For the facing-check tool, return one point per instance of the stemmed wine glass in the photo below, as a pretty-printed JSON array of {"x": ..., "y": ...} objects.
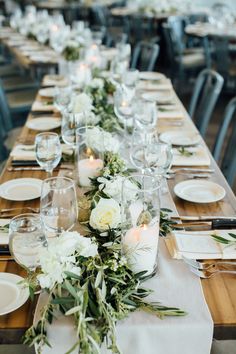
[
  {"x": 124, "y": 108},
  {"x": 62, "y": 97},
  {"x": 58, "y": 205},
  {"x": 48, "y": 151},
  {"x": 26, "y": 240},
  {"x": 145, "y": 117}
]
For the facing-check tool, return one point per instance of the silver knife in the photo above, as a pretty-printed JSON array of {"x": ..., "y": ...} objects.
[{"x": 203, "y": 218}]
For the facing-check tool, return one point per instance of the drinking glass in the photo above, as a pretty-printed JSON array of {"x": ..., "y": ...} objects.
[
  {"x": 48, "y": 151},
  {"x": 62, "y": 97},
  {"x": 145, "y": 116},
  {"x": 158, "y": 159},
  {"x": 124, "y": 108},
  {"x": 58, "y": 205},
  {"x": 140, "y": 222},
  {"x": 26, "y": 240},
  {"x": 130, "y": 78}
]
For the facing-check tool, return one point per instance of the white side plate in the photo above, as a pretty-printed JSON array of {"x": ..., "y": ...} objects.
[
  {"x": 12, "y": 295},
  {"x": 197, "y": 191},
  {"x": 21, "y": 189},
  {"x": 180, "y": 138},
  {"x": 47, "y": 92},
  {"x": 44, "y": 124}
]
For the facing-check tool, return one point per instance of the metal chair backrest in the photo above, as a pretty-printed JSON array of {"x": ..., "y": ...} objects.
[
  {"x": 5, "y": 115},
  {"x": 221, "y": 56},
  {"x": 229, "y": 114},
  {"x": 176, "y": 25},
  {"x": 205, "y": 95},
  {"x": 145, "y": 56}
]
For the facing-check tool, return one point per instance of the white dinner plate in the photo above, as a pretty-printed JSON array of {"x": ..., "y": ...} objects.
[
  {"x": 12, "y": 295},
  {"x": 149, "y": 75},
  {"x": 197, "y": 191},
  {"x": 159, "y": 97},
  {"x": 21, "y": 189},
  {"x": 180, "y": 138},
  {"x": 41, "y": 58},
  {"x": 44, "y": 123},
  {"x": 47, "y": 92}
]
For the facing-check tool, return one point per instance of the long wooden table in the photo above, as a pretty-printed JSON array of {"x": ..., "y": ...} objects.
[{"x": 219, "y": 291}]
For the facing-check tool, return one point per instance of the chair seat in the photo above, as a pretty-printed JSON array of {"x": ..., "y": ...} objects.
[
  {"x": 19, "y": 82},
  {"x": 21, "y": 100},
  {"x": 193, "y": 51},
  {"x": 193, "y": 60}
]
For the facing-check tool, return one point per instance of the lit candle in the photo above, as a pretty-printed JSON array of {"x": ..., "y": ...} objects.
[
  {"x": 125, "y": 108},
  {"x": 140, "y": 245},
  {"x": 89, "y": 168}
]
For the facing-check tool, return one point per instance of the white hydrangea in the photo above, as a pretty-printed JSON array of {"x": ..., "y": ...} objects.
[
  {"x": 113, "y": 188},
  {"x": 59, "y": 257},
  {"x": 102, "y": 141},
  {"x": 97, "y": 83},
  {"x": 81, "y": 103}
]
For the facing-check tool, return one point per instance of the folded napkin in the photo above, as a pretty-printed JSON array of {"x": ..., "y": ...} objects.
[
  {"x": 200, "y": 245},
  {"x": 55, "y": 80},
  {"x": 170, "y": 113},
  {"x": 43, "y": 106},
  {"x": 27, "y": 152},
  {"x": 199, "y": 157},
  {"x": 158, "y": 85},
  {"x": 4, "y": 238}
]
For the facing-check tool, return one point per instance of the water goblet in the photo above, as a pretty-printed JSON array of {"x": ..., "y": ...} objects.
[
  {"x": 62, "y": 97},
  {"x": 26, "y": 240},
  {"x": 48, "y": 151},
  {"x": 58, "y": 205}
]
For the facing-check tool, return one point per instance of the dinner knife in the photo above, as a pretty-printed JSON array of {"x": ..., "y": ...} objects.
[
  {"x": 202, "y": 218},
  {"x": 215, "y": 224},
  {"x": 16, "y": 163}
]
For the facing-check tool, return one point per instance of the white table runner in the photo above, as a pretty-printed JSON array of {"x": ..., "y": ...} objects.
[{"x": 142, "y": 333}]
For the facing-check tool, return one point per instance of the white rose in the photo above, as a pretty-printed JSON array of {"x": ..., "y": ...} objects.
[
  {"x": 97, "y": 83},
  {"x": 105, "y": 215},
  {"x": 113, "y": 188},
  {"x": 81, "y": 103},
  {"x": 45, "y": 281}
]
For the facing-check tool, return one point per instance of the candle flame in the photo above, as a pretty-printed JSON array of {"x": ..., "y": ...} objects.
[
  {"x": 91, "y": 158},
  {"x": 144, "y": 226},
  {"x": 124, "y": 104}
]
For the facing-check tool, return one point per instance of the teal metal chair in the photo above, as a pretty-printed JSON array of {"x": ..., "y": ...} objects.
[
  {"x": 144, "y": 56},
  {"x": 206, "y": 92},
  {"x": 228, "y": 165},
  {"x": 228, "y": 116}
]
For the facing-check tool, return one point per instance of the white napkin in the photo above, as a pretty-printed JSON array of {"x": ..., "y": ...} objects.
[
  {"x": 200, "y": 157},
  {"x": 55, "y": 80},
  {"x": 199, "y": 245},
  {"x": 43, "y": 106},
  {"x": 152, "y": 86},
  {"x": 171, "y": 114},
  {"x": 4, "y": 239},
  {"x": 27, "y": 152}
]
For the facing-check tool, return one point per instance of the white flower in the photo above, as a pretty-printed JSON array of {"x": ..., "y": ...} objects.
[
  {"x": 81, "y": 103},
  {"x": 105, "y": 215},
  {"x": 113, "y": 188},
  {"x": 59, "y": 257},
  {"x": 101, "y": 141},
  {"x": 97, "y": 83}
]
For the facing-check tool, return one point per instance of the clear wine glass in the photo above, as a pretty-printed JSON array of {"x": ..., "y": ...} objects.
[
  {"x": 124, "y": 109},
  {"x": 145, "y": 116},
  {"x": 26, "y": 240},
  {"x": 158, "y": 159},
  {"x": 58, "y": 205},
  {"x": 62, "y": 97},
  {"x": 48, "y": 151}
]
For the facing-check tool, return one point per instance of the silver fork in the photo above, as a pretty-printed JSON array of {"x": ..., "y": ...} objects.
[
  {"x": 205, "y": 266},
  {"x": 207, "y": 274}
]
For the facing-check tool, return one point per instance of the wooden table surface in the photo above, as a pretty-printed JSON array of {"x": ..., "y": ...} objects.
[
  {"x": 220, "y": 291},
  {"x": 23, "y": 59}
]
